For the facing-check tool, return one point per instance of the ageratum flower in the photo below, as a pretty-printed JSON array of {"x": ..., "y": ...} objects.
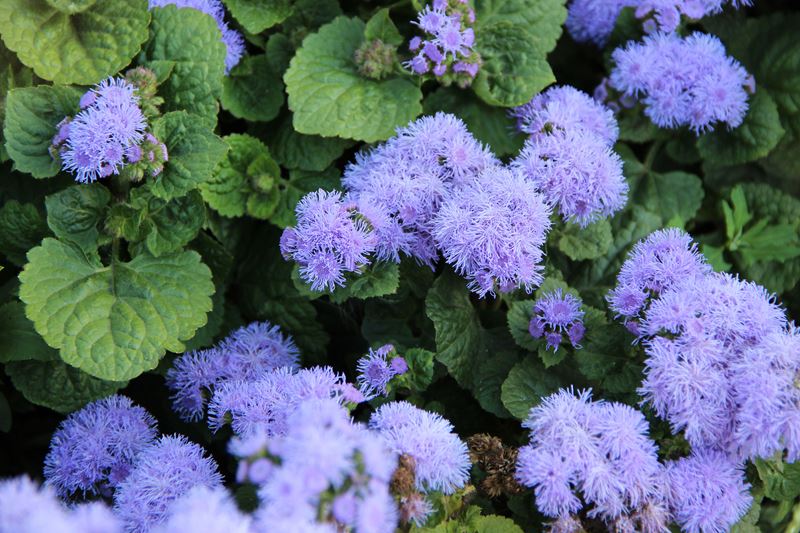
[
  {"x": 94, "y": 517},
  {"x": 232, "y": 39},
  {"x": 27, "y": 508},
  {"x": 164, "y": 472},
  {"x": 441, "y": 458},
  {"x": 683, "y": 81},
  {"x": 102, "y": 138},
  {"x": 593, "y": 20},
  {"x": 210, "y": 510},
  {"x": 330, "y": 239},
  {"x": 375, "y": 371},
  {"x": 94, "y": 449},
  {"x": 492, "y": 229},
  {"x": 556, "y": 313},
  {"x": 407, "y": 179},
  {"x": 665, "y": 15}
]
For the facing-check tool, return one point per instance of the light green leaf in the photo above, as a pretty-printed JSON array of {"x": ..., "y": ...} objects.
[
  {"x": 18, "y": 340},
  {"x": 781, "y": 480},
  {"x": 299, "y": 184},
  {"x": 32, "y": 114},
  {"x": 57, "y": 385},
  {"x": 253, "y": 90},
  {"x": 114, "y": 322},
  {"x": 420, "y": 370},
  {"x": 526, "y": 384},
  {"x": 380, "y": 26},
  {"x": 71, "y": 6},
  {"x": 496, "y": 524},
  {"x": 379, "y": 279},
  {"x": 256, "y": 16},
  {"x": 329, "y": 97},
  {"x": 714, "y": 256},
  {"x": 590, "y": 242},
  {"x": 81, "y": 48},
  {"x": 763, "y": 242},
  {"x": 192, "y": 40},
  {"x": 306, "y": 152},
  {"x": 21, "y": 228},
  {"x": 77, "y": 213},
  {"x": 193, "y": 150},
  {"x": 674, "y": 194},
  {"x": 760, "y": 132}
]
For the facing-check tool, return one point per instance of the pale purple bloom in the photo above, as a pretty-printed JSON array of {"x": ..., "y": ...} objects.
[
  {"x": 94, "y": 517},
  {"x": 27, "y": 508},
  {"x": 441, "y": 458},
  {"x": 375, "y": 371},
  {"x": 206, "y": 509},
  {"x": 708, "y": 492},
  {"x": 377, "y": 513},
  {"x": 164, "y": 472},
  {"x": 491, "y": 230},
  {"x": 329, "y": 240},
  {"x": 94, "y": 449},
  {"x": 556, "y": 313},
  {"x": 593, "y": 20},
  {"x": 232, "y": 39},
  {"x": 681, "y": 81}
]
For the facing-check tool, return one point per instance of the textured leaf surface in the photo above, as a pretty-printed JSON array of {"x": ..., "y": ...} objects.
[
  {"x": 257, "y": 15},
  {"x": 77, "y": 213},
  {"x": 379, "y": 279},
  {"x": 21, "y": 228},
  {"x": 590, "y": 242},
  {"x": 305, "y": 152},
  {"x": 253, "y": 90},
  {"x": 116, "y": 321},
  {"x": 82, "y": 48},
  {"x": 525, "y": 386},
  {"x": 329, "y": 97}
]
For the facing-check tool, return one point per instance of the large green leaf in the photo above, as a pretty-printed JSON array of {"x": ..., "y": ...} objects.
[
  {"x": 191, "y": 40},
  {"x": 590, "y": 242},
  {"x": 114, "y": 322},
  {"x": 13, "y": 74},
  {"x": 57, "y": 385},
  {"x": 526, "y": 384},
  {"x": 21, "y": 228},
  {"x": 253, "y": 90},
  {"x": 18, "y": 340},
  {"x": 330, "y": 98},
  {"x": 32, "y": 114},
  {"x": 81, "y": 48},
  {"x": 193, "y": 150},
  {"x": 77, "y": 214},
  {"x": 256, "y": 16}
]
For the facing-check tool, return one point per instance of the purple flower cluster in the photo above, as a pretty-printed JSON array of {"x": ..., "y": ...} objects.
[
  {"x": 446, "y": 51},
  {"x": 206, "y": 509},
  {"x": 568, "y": 156},
  {"x": 593, "y": 20},
  {"x": 554, "y": 314},
  {"x": 324, "y": 468},
  {"x": 655, "y": 264},
  {"x": 94, "y": 449},
  {"x": 683, "y": 81},
  {"x": 600, "y": 450},
  {"x": 248, "y": 354},
  {"x": 441, "y": 459},
  {"x": 376, "y": 370},
  {"x": 232, "y": 39},
  {"x": 331, "y": 238},
  {"x": 105, "y": 135}
]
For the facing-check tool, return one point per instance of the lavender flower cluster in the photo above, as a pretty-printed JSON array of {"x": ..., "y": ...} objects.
[
  {"x": 232, "y": 39},
  {"x": 446, "y": 52},
  {"x": 554, "y": 314},
  {"x": 108, "y": 134},
  {"x": 376, "y": 370}
]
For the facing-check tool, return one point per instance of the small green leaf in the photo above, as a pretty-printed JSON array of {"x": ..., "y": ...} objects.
[
  {"x": 299, "y": 184},
  {"x": 590, "y": 242},
  {"x": 193, "y": 150},
  {"x": 57, "y": 385},
  {"x": 379, "y": 279},
  {"x": 781, "y": 480},
  {"x": 519, "y": 319},
  {"x": 420, "y": 370},
  {"x": 741, "y": 214},
  {"x": 114, "y": 322},
  {"x": 18, "y": 339},
  {"x": 77, "y": 213},
  {"x": 32, "y": 114},
  {"x": 330, "y": 98},
  {"x": 769, "y": 243},
  {"x": 21, "y": 228},
  {"x": 256, "y": 16},
  {"x": 551, "y": 357},
  {"x": 191, "y": 40},
  {"x": 380, "y": 26},
  {"x": 81, "y": 48},
  {"x": 253, "y": 90},
  {"x": 526, "y": 385},
  {"x": 714, "y": 256}
]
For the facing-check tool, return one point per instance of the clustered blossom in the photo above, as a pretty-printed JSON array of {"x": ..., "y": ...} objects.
[
  {"x": 210, "y": 510},
  {"x": 107, "y": 134},
  {"x": 331, "y": 238},
  {"x": 600, "y": 450},
  {"x": 232, "y": 39},
  {"x": 446, "y": 51},
  {"x": 569, "y": 156},
  {"x": 94, "y": 449},
  {"x": 376, "y": 370},
  {"x": 683, "y": 81},
  {"x": 246, "y": 354},
  {"x": 554, "y": 314},
  {"x": 492, "y": 230}
]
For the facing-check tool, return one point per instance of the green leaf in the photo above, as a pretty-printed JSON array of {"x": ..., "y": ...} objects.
[
  {"x": 380, "y": 26},
  {"x": 513, "y": 38},
  {"x": 32, "y": 114},
  {"x": 760, "y": 132},
  {"x": 714, "y": 256},
  {"x": 256, "y": 16},
  {"x": 299, "y": 184},
  {"x": 305, "y": 152},
  {"x": 496, "y": 524},
  {"x": 57, "y": 385},
  {"x": 114, "y": 322},
  {"x": 253, "y": 90},
  {"x": 769, "y": 243},
  {"x": 519, "y": 318},
  {"x": 379, "y": 279},
  {"x": 81, "y": 48},
  {"x": 77, "y": 213},
  {"x": 21, "y": 228},
  {"x": 590, "y": 242},
  {"x": 191, "y": 40},
  {"x": 488, "y": 124},
  {"x": 741, "y": 214},
  {"x": 13, "y": 74},
  {"x": 71, "y": 6},
  {"x": 781, "y": 480},
  {"x": 420, "y": 370},
  {"x": 18, "y": 339},
  {"x": 329, "y": 97},
  {"x": 526, "y": 385},
  {"x": 193, "y": 150}
]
